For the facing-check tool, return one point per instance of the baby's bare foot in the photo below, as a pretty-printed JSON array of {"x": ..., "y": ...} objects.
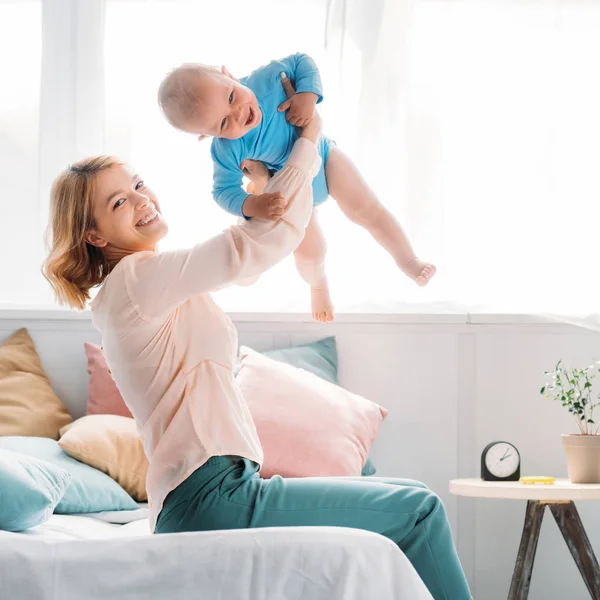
[
  {"x": 419, "y": 271},
  {"x": 322, "y": 308},
  {"x": 258, "y": 175}
]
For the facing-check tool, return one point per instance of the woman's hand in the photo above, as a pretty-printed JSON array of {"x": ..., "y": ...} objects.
[
  {"x": 313, "y": 129},
  {"x": 300, "y": 108}
]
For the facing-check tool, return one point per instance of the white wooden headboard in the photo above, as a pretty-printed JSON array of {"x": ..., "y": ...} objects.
[{"x": 370, "y": 347}]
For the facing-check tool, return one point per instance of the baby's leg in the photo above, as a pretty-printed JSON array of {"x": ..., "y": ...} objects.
[
  {"x": 310, "y": 262},
  {"x": 361, "y": 206},
  {"x": 258, "y": 175}
]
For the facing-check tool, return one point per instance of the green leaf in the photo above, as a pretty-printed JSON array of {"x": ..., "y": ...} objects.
[{"x": 543, "y": 390}]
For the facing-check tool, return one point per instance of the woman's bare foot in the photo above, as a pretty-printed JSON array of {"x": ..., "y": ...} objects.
[
  {"x": 419, "y": 271},
  {"x": 258, "y": 175},
  {"x": 322, "y": 308}
]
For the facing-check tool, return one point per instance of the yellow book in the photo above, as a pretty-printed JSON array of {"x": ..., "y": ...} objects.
[{"x": 534, "y": 480}]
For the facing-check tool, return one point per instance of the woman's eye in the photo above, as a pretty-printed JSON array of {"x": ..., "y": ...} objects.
[
  {"x": 223, "y": 123},
  {"x": 139, "y": 185},
  {"x": 118, "y": 203},
  {"x": 231, "y": 98}
]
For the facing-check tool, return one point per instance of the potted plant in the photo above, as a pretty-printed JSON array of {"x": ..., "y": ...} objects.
[{"x": 574, "y": 391}]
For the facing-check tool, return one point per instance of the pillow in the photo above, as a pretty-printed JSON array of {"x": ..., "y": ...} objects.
[
  {"x": 28, "y": 405},
  {"x": 369, "y": 469},
  {"x": 90, "y": 489},
  {"x": 29, "y": 490},
  {"x": 104, "y": 397},
  {"x": 307, "y": 426},
  {"x": 112, "y": 444},
  {"x": 320, "y": 358}
]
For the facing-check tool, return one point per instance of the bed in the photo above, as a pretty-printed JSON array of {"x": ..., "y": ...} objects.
[{"x": 72, "y": 557}]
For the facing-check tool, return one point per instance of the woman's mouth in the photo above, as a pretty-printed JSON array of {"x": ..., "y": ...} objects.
[{"x": 149, "y": 218}]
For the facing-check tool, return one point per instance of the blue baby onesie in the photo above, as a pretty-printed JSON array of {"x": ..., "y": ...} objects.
[{"x": 272, "y": 140}]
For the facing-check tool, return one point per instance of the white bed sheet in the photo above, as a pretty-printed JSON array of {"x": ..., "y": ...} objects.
[{"x": 75, "y": 557}]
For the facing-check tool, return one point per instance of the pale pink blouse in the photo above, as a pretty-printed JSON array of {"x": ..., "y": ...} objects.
[{"x": 171, "y": 349}]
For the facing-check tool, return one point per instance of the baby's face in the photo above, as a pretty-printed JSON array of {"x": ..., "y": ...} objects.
[{"x": 226, "y": 109}]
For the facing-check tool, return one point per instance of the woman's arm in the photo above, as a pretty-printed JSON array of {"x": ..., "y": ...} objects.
[{"x": 158, "y": 283}]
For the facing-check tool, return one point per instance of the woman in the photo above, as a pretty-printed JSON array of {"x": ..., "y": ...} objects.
[{"x": 171, "y": 351}]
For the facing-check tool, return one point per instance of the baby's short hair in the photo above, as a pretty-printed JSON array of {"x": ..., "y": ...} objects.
[{"x": 178, "y": 92}]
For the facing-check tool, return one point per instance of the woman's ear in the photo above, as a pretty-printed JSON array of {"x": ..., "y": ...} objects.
[
  {"x": 228, "y": 74},
  {"x": 92, "y": 238}
]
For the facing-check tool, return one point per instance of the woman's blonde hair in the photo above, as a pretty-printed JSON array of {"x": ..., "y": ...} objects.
[{"x": 73, "y": 266}]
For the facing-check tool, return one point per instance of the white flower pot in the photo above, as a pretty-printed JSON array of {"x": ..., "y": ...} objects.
[{"x": 583, "y": 457}]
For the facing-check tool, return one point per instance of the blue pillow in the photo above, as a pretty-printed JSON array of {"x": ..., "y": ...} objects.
[
  {"x": 90, "y": 489},
  {"x": 369, "y": 468},
  {"x": 29, "y": 490},
  {"x": 320, "y": 358}
]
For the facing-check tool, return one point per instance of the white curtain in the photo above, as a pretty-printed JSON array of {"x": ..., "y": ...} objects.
[
  {"x": 476, "y": 122},
  {"x": 51, "y": 113},
  {"x": 494, "y": 110},
  {"x": 20, "y": 65}
]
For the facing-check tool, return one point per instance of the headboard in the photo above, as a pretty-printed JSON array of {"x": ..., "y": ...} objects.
[{"x": 59, "y": 336}]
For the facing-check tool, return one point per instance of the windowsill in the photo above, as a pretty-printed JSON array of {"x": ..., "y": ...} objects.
[{"x": 418, "y": 315}]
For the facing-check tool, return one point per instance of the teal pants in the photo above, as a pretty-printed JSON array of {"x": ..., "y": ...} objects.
[{"x": 228, "y": 493}]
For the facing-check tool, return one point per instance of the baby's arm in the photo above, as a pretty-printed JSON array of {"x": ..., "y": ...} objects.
[{"x": 227, "y": 179}]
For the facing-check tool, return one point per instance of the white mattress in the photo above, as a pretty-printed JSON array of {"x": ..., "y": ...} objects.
[{"x": 75, "y": 557}]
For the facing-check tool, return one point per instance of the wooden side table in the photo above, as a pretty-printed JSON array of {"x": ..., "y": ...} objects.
[{"x": 560, "y": 498}]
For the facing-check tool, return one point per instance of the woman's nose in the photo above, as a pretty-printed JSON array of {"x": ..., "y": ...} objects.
[{"x": 142, "y": 201}]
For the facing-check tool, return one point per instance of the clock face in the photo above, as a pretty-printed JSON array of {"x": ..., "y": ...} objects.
[{"x": 502, "y": 460}]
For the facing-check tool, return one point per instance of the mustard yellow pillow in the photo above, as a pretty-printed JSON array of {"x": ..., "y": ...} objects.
[
  {"x": 111, "y": 444},
  {"x": 28, "y": 405}
]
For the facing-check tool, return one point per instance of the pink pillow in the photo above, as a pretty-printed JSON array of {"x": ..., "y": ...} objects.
[
  {"x": 308, "y": 427},
  {"x": 104, "y": 397}
]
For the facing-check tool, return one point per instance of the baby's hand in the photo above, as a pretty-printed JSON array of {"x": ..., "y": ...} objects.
[
  {"x": 269, "y": 207},
  {"x": 300, "y": 108}
]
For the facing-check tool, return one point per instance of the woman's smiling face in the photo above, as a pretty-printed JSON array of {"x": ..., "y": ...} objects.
[{"x": 126, "y": 213}]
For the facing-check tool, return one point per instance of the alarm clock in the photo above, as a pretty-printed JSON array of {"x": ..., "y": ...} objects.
[{"x": 500, "y": 461}]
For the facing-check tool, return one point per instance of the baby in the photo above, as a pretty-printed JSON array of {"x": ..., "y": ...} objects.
[{"x": 251, "y": 120}]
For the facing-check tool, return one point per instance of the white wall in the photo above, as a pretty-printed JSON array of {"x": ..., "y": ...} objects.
[{"x": 452, "y": 383}]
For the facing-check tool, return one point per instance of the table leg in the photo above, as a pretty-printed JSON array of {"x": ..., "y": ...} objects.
[
  {"x": 570, "y": 525},
  {"x": 519, "y": 587}
]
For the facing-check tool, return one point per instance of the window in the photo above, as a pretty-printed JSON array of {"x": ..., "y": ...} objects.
[
  {"x": 20, "y": 222},
  {"x": 481, "y": 133},
  {"x": 504, "y": 147}
]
